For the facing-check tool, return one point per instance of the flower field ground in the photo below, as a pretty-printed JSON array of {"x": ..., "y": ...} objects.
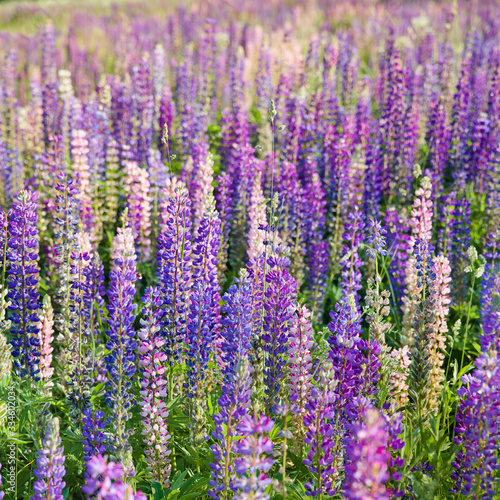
[{"x": 250, "y": 250}]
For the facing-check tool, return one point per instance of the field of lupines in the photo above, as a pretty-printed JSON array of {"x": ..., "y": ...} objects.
[{"x": 250, "y": 250}]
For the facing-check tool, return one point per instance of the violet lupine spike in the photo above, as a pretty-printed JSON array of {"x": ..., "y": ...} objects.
[
  {"x": 254, "y": 458},
  {"x": 478, "y": 428},
  {"x": 367, "y": 471},
  {"x": 351, "y": 275},
  {"x": 104, "y": 481},
  {"x": 324, "y": 456},
  {"x": 50, "y": 469},
  {"x": 154, "y": 390},
  {"x": 223, "y": 204},
  {"x": 23, "y": 284},
  {"x": 234, "y": 403},
  {"x": 279, "y": 296},
  {"x": 490, "y": 293},
  {"x": 121, "y": 345},
  {"x": 318, "y": 275},
  {"x": 94, "y": 440},
  {"x": 203, "y": 312},
  {"x": 202, "y": 189},
  {"x": 173, "y": 255}
]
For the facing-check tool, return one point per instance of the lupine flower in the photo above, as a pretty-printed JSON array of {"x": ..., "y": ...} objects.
[
  {"x": 174, "y": 265},
  {"x": 203, "y": 312},
  {"x": 235, "y": 398},
  {"x": 94, "y": 441},
  {"x": 202, "y": 190},
  {"x": 324, "y": 456},
  {"x": 300, "y": 368},
  {"x": 50, "y": 465},
  {"x": 478, "y": 428},
  {"x": 154, "y": 390},
  {"x": 104, "y": 481},
  {"x": 351, "y": 262},
  {"x": 139, "y": 207},
  {"x": 253, "y": 457},
  {"x": 399, "y": 370},
  {"x": 367, "y": 471},
  {"x": 23, "y": 285},
  {"x": 258, "y": 221},
  {"x": 79, "y": 152},
  {"x": 46, "y": 338},
  {"x": 422, "y": 328},
  {"x": 278, "y": 302},
  {"x": 223, "y": 197},
  {"x": 121, "y": 344},
  {"x": 437, "y": 338}
]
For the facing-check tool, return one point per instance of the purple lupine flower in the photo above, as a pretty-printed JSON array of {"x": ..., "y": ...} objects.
[
  {"x": 121, "y": 344},
  {"x": 347, "y": 358},
  {"x": 367, "y": 470},
  {"x": 490, "y": 293},
  {"x": 279, "y": 295},
  {"x": 373, "y": 173},
  {"x": 318, "y": 274},
  {"x": 376, "y": 239},
  {"x": 203, "y": 310},
  {"x": 94, "y": 441},
  {"x": 174, "y": 265},
  {"x": 154, "y": 389},
  {"x": 50, "y": 465},
  {"x": 104, "y": 481},
  {"x": 351, "y": 274},
  {"x": 478, "y": 428},
  {"x": 234, "y": 403},
  {"x": 454, "y": 237},
  {"x": 322, "y": 437},
  {"x": 253, "y": 457},
  {"x": 23, "y": 284}
]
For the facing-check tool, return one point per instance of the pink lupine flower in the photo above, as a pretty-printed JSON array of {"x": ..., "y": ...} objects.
[
  {"x": 81, "y": 169},
  {"x": 139, "y": 207},
  {"x": 154, "y": 390},
  {"x": 399, "y": 369},
  {"x": 202, "y": 189},
  {"x": 258, "y": 220},
  {"x": 45, "y": 337},
  {"x": 437, "y": 337}
]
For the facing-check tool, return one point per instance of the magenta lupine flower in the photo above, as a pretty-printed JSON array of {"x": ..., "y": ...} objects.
[
  {"x": 478, "y": 428},
  {"x": 23, "y": 284},
  {"x": 367, "y": 471},
  {"x": 154, "y": 389},
  {"x": 50, "y": 465},
  {"x": 254, "y": 458},
  {"x": 104, "y": 481}
]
